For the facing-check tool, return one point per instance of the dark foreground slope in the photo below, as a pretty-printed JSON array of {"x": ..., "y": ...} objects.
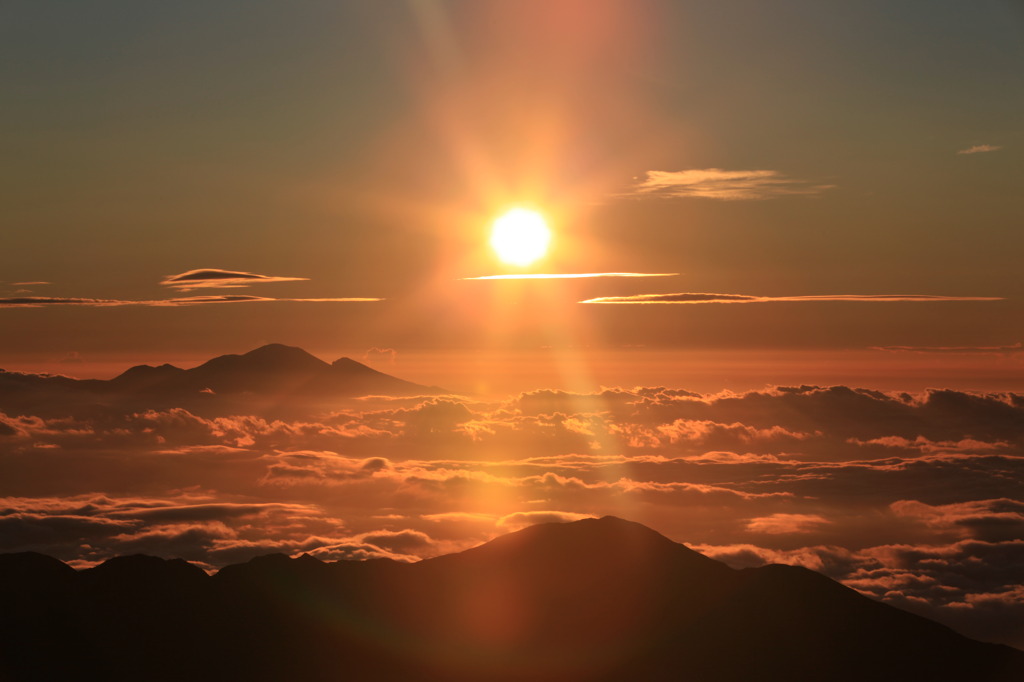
[{"x": 600, "y": 599}]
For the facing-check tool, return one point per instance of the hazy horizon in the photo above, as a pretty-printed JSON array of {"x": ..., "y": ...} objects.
[{"x": 709, "y": 371}]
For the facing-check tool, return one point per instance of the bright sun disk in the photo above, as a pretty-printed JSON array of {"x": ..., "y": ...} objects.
[{"x": 520, "y": 236}]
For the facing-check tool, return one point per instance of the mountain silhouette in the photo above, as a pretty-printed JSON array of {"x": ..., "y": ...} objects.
[
  {"x": 598, "y": 599},
  {"x": 273, "y": 369},
  {"x": 273, "y": 378},
  {"x": 268, "y": 367}
]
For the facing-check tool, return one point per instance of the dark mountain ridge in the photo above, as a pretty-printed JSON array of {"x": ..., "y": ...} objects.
[
  {"x": 272, "y": 377},
  {"x": 598, "y": 599}
]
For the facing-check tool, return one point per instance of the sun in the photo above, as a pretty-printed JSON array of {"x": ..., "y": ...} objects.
[{"x": 520, "y": 236}]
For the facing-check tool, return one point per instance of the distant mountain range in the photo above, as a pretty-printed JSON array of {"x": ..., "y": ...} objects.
[
  {"x": 598, "y": 599},
  {"x": 270, "y": 377}
]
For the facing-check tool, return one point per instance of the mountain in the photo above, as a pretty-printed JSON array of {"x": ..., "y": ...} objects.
[
  {"x": 273, "y": 369},
  {"x": 273, "y": 378},
  {"x": 146, "y": 377},
  {"x": 594, "y": 600}
]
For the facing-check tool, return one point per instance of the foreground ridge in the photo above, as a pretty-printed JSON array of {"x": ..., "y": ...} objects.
[{"x": 596, "y": 599}]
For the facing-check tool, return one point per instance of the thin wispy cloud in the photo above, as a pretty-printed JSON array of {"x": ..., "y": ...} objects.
[
  {"x": 744, "y": 298},
  {"x": 576, "y": 275},
  {"x": 43, "y": 301},
  {"x": 984, "y": 350},
  {"x": 374, "y": 353},
  {"x": 20, "y": 288},
  {"x": 715, "y": 183},
  {"x": 980, "y": 149},
  {"x": 215, "y": 278}
]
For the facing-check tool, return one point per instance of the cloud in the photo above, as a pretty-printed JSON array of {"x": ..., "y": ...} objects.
[
  {"x": 980, "y": 350},
  {"x": 389, "y": 353},
  {"x": 720, "y": 436},
  {"x": 41, "y": 301},
  {"x": 92, "y": 527},
  {"x": 214, "y": 278},
  {"x": 744, "y": 298},
  {"x": 20, "y": 288},
  {"x": 925, "y": 445},
  {"x": 403, "y": 541},
  {"x": 171, "y": 513},
  {"x": 980, "y": 149},
  {"x": 824, "y": 422},
  {"x": 511, "y": 522},
  {"x": 40, "y": 532},
  {"x": 777, "y": 524},
  {"x": 576, "y": 275},
  {"x": 991, "y": 520},
  {"x": 715, "y": 183}
]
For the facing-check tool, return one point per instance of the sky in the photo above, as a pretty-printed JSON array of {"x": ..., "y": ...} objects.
[
  {"x": 793, "y": 332},
  {"x": 362, "y": 150}
]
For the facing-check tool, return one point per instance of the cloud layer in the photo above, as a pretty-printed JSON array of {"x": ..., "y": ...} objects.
[{"x": 898, "y": 495}]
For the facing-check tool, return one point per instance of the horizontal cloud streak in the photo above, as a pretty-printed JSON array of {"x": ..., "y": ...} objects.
[
  {"x": 779, "y": 524},
  {"x": 715, "y": 183},
  {"x": 215, "y": 278},
  {"x": 42, "y": 301},
  {"x": 982, "y": 350},
  {"x": 980, "y": 149},
  {"x": 576, "y": 275},
  {"x": 745, "y": 298}
]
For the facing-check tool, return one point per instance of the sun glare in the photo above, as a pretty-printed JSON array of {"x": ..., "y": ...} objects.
[{"x": 520, "y": 237}]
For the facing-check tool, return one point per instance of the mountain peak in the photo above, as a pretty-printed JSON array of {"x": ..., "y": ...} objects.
[
  {"x": 350, "y": 366},
  {"x": 27, "y": 567},
  {"x": 606, "y": 530},
  {"x": 625, "y": 548},
  {"x": 147, "y": 374},
  {"x": 141, "y": 573},
  {"x": 273, "y": 357},
  {"x": 280, "y": 353}
]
